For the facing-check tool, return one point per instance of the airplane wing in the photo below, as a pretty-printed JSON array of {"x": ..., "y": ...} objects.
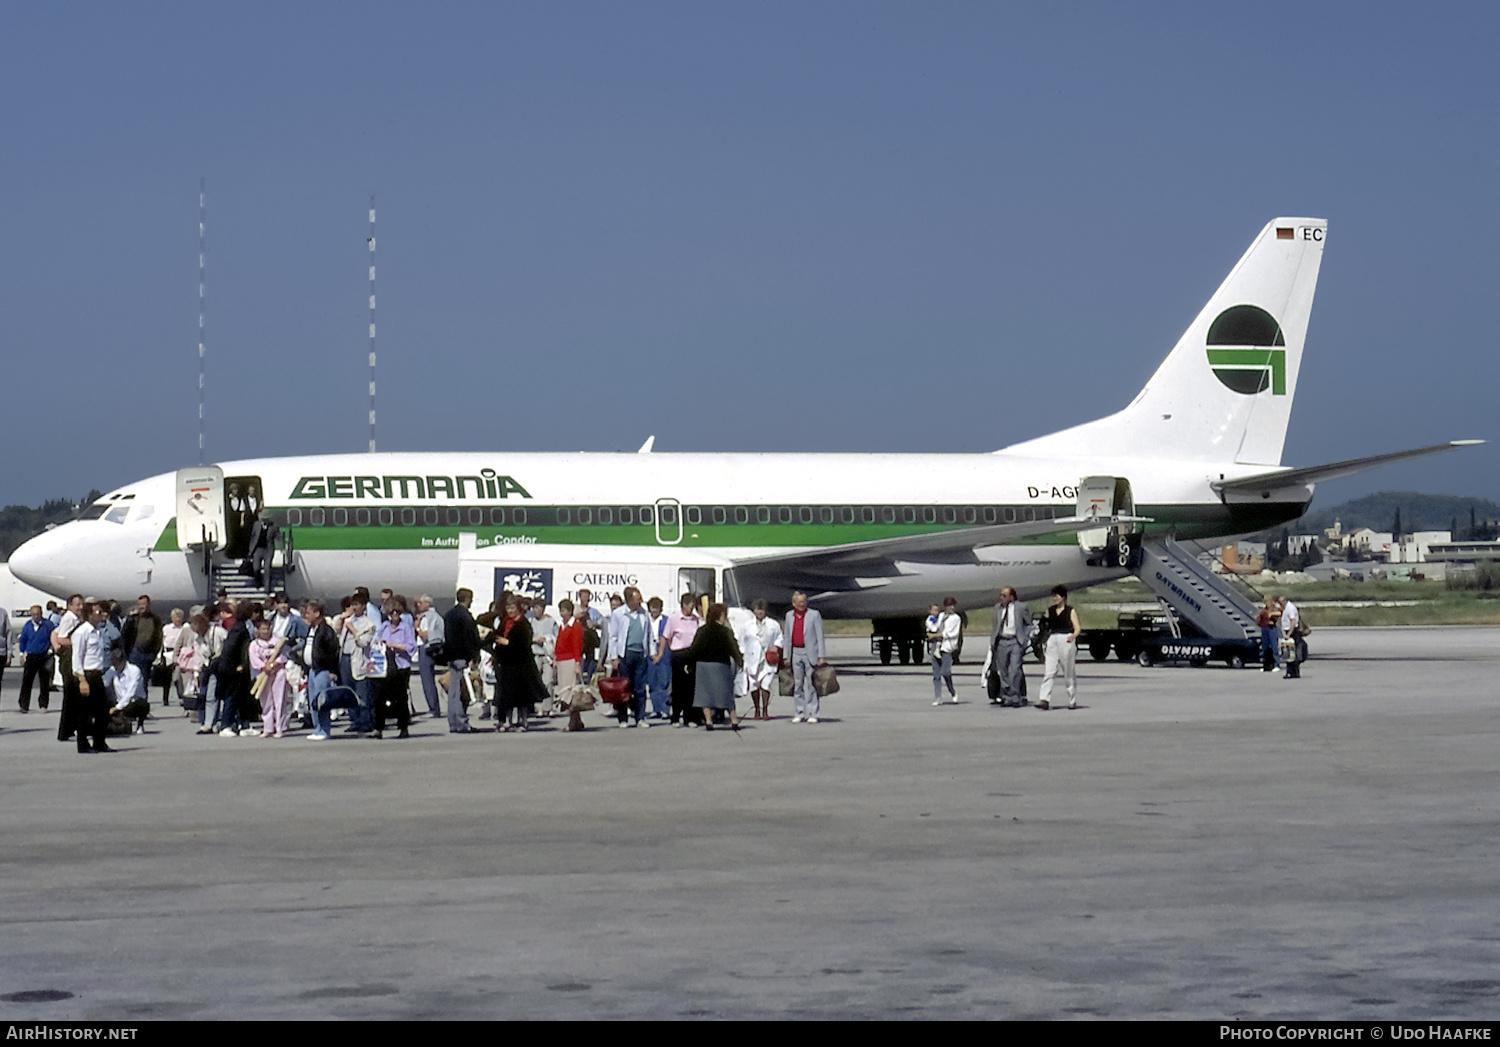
[
  {"x": 843, "y": 563},
  {"x": 1264, "y": 483}
]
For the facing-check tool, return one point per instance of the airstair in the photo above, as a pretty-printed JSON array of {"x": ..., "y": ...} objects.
[
  {"x": 1194, "y": 592},
  {"x": 226, "y": 574}
]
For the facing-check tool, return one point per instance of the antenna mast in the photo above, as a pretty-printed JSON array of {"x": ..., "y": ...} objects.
[
  {"x": 372, "y": 323},
  {"x": 202, "y": 192}
]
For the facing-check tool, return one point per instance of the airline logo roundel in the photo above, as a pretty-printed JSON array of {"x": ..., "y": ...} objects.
[{"x": 1247, "y": 351}]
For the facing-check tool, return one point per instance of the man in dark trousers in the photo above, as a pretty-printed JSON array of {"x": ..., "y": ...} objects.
[
  {"x": 232, "y": 671},
  {"x": 62, "y": 646},
  {"x": 1009, "y": 636},
  {"x": 461, "y": 644},
  {"x": 36, "y": 645},
  {"x": 140, "y": 637},
  {"x": 318, "y": 653}
]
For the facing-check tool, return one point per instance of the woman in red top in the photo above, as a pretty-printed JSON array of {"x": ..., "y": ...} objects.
[{"x": 568, "y": 650}]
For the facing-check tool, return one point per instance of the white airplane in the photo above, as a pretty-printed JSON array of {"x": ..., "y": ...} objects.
[{"x": 1195, "y": 455}]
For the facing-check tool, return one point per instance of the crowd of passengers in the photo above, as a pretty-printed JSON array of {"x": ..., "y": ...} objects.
[{"x": 247, "y": 668}]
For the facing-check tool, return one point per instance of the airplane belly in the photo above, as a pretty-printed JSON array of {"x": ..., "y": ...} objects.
[
  {"x": 1031, "y": 570},
  {"x": 328, "y": 574}
]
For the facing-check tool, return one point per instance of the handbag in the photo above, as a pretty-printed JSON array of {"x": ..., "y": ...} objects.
[
  {"x": 773, "y": 656},
  {"x": 614, "y": 689},
  {"x": 825, "y": 681},
  {"x": 340, "y": 697},
  {"x": 786, "y": 685},
  {"x": 376, "y": 662},
  {"x": 436, "y": 654}
]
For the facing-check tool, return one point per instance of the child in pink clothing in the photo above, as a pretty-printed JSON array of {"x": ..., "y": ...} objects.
[{"x": 267, "y": 659}]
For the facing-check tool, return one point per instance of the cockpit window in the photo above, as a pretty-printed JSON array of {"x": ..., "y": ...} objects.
[
  {"x": 117, "y": 514},
  {"x": 142, "y": 512},
  {"x": 93, "y": 512}
]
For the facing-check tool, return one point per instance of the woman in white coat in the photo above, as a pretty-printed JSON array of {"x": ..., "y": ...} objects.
[{"x": 761, "y": 672}]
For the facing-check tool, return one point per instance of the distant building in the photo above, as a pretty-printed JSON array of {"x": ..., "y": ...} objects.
[
  {"x": 1416, "y": 546},
  {"x": 1463, "y": 552},
  {"x": 1370, "y": 544},
  {"x": 1297, "y": 544}
]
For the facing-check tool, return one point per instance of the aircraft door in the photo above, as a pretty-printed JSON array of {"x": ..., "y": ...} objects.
[
  {"x": 243, "y": 501},
  {"x": 200, "y": 507},
  {"x": 1107, "y": 496},
  {"x": 668, "y": 521}
]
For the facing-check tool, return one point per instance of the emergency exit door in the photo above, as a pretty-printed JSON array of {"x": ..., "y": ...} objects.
[{"x": 668, "y": 521}]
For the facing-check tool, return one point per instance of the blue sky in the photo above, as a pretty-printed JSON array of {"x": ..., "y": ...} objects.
[{"x": 758, "y": 226}]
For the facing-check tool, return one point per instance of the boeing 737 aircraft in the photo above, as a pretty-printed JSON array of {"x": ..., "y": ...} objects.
[{"x": 1195, "y": 455}]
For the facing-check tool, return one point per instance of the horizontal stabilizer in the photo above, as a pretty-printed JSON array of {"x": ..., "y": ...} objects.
[{"x": 1265, "y": 483}]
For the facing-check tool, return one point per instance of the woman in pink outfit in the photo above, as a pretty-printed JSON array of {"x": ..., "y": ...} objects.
[{"x": 268, "y": 660}]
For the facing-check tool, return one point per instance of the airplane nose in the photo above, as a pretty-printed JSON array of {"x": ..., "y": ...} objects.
[{"x": 42, "y": 562}]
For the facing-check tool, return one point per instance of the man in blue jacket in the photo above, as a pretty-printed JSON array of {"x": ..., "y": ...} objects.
[{"x": 36, "y": 645}]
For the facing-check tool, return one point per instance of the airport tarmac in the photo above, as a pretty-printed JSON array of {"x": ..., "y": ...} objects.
[{"x": 1190, "y": 843}]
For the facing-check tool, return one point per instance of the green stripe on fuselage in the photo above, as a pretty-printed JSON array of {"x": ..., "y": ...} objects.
[{"x": 1184, "y": 521}]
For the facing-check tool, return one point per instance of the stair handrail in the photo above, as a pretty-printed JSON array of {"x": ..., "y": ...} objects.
[{"x": 1209, "y": 578}]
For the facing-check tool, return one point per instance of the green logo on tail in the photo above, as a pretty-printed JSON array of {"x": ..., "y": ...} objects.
[{"x": 1247, "y": 351}]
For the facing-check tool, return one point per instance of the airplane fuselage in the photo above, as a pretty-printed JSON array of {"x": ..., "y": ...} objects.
[{"x": 398, "y": 520}]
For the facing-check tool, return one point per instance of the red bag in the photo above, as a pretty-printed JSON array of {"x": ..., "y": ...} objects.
[
  {"x": 614, "y": 689},
  {"x": 773, "y": 657}
]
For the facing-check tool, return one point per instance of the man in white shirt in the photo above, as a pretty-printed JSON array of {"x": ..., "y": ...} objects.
[
  {"x": 90, "y": 657},
  {"x": 356, "y": 629},
  {"x": 62, "y": 647},
  {"x": 127, "y": 689},
  {"x": 1291, "y": 628}
]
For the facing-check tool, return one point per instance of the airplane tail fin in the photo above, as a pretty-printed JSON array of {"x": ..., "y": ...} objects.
[{"x": 1225, "y": 391}]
